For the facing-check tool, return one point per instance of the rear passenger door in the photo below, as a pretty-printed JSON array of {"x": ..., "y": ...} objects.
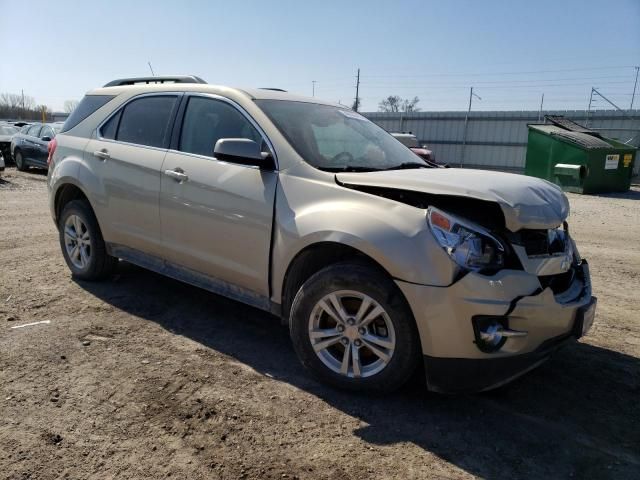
[
  {"x": 217, "y": 218},
  {"x": 126, "y": 156}
]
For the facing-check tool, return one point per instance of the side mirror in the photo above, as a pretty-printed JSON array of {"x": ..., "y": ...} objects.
[
  {"x": 241, "y": 150},
  {"x": 46, "y": 139}
]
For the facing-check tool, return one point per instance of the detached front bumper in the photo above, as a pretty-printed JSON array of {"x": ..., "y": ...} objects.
[{"x": 454, "y": 359}]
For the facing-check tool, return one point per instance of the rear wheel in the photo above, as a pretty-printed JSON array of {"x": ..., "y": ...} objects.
[
  {"x": 82, "y": 244},
  {"x": 352, "y": 329},
  {"x": 19, "y": 159}
]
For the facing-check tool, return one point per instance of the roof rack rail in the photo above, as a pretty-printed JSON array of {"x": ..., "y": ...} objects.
[
  {"x": 273, "y": 89},
  {"x": 149, "y": 80}
]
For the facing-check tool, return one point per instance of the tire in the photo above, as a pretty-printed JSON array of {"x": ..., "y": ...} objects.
[
  {"x": 90, "y": 261},
  {"x": 19, "y": 160},
  {"x": 394, "y": 326}
]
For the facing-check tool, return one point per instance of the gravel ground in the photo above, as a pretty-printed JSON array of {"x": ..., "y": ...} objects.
[{"x": 144, "y": 377}]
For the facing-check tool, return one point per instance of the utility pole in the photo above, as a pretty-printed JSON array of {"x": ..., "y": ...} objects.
[
  {"x": 22, "y": 103},
  {"x": 633, "y": 95},
  {"x": 151, "y": 68},
  {"x": 313, "y": 88},
  {"x": 466, "y": 123},
  {"x": 540, "y": 113},
  {"x": 357, "y": 91},
  {"x": 589, "y": 108}
]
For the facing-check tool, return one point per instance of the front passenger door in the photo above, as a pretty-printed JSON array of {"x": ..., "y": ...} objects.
[{"x": 217, "y": 219}]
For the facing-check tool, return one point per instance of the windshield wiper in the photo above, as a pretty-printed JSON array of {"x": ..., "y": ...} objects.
[
  {"x": 349, "y": 168},
  {"x": 408, "y": 165}
]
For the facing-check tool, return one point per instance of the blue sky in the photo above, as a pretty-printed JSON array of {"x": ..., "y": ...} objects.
[{"x": 510, "y": 51}]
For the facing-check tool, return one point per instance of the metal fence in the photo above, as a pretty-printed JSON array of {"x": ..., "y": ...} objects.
[{"x": 497, "y": 140}]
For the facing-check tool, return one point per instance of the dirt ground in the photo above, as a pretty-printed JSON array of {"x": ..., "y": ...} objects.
[{"x": 145, "y": 377}]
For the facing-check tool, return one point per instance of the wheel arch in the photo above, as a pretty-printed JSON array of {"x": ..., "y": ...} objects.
[
  {"x": 313, "y": 258},
  {"x": 65, "y": 193}
]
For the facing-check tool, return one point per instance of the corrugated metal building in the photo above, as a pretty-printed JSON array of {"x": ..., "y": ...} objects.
[{"x": 497, "y": 140}]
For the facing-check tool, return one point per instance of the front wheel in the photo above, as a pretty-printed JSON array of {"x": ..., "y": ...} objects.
[{"x": 352, "y": 329}]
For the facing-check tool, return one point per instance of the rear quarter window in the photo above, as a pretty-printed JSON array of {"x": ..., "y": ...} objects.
[{"x": 88, "y": 105}]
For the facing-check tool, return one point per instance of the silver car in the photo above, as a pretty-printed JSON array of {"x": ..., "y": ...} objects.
[{"x": 377, "y": 263}]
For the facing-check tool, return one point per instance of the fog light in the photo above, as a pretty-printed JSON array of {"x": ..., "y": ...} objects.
[{"x": 492, "y": 332}]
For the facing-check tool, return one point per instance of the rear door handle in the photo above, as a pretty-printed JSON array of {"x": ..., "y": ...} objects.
[
  {"x": 102, "y": 154},
  {"x": 177, "y": 174}
]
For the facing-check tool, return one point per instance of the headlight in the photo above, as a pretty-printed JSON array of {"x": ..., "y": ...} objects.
[{"x": 469, "y": 245}]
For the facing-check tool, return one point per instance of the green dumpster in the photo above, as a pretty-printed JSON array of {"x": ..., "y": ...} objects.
[{"x": 578, "y": 159}]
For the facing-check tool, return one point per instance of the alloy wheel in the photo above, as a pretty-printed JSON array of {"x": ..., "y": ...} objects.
[
  {"x": 352, "y": 334},
  {"x": 77, "y": 241}
]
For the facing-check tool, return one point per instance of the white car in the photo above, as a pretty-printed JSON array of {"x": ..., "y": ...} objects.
[{"x": 6, "y": 133}]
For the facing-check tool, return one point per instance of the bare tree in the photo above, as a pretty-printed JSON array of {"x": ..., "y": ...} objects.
[
  {"x": 13, "y": 105},
  {"x": 390, "y": 104},
  {"x": 395, "y": 103},
  {"x": 410, "y": 105},
  {"x": 15, "y": 100},
  {"x": 70, "y": 105}
]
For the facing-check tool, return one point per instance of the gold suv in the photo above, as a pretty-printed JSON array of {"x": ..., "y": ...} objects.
[{"x": 376, "y": 260}]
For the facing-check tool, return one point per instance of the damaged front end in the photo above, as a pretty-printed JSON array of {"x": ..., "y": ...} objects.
[{"x": 521, "y": 290}]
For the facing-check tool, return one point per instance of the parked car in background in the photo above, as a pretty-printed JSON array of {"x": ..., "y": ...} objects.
[
  {"x": 7, "y": 131},
  {"x": 376, "y": 260},
  {"x": 30, "y": 146},
  {"x": 411, "y": 141}
]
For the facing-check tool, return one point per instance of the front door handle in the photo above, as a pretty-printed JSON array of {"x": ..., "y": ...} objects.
[
  {"x": 102, "y": 154},
  {"x": 177, "y": 174}
]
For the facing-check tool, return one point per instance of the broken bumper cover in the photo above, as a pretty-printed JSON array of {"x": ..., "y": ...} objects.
[{"x": 454, "y": 362}]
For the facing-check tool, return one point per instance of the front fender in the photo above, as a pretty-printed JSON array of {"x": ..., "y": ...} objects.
[{"x": 393, "y": 234}]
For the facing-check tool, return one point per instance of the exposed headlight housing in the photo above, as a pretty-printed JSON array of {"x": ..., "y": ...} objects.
[{"x": 470, "y": 246}]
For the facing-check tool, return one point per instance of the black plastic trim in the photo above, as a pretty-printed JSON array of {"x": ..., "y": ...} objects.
[{"x": 467, "y": 375}]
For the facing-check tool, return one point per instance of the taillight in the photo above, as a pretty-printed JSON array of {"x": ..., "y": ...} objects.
[{"x": 51, "y": 150}]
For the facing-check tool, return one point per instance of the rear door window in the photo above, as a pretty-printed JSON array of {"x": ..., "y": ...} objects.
[
  {"x": 110, "y": 127},
  {"x": 146, "y": 120}
]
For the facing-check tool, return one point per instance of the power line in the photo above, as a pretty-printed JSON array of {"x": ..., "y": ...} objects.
[
  {"x": 581, "y": 69},
  {"x": 506, "y": 86},
  {"x": 488, "y": 82}
]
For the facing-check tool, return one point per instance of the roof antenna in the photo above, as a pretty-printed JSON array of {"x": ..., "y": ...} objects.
[{"x": 151, "y": 68}]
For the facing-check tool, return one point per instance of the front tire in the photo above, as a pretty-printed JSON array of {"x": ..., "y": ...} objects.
[
  {"x": 18, "y": 158},
  {"x": 353, "y": 330},
  {"x": 82, "y": 244}
]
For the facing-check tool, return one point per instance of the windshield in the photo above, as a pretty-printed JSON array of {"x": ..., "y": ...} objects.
[
  {"x": 408, "y": 140},
  {"x": 8, "y": 130},
  {"x": 336, "y": 139}
]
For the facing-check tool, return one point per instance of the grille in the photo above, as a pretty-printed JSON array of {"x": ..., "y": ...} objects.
[
  {"x": 542, "y": 242},
  {"x": 558, "y": 283}
]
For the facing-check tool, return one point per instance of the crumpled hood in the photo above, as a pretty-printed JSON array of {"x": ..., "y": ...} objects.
[{"x": 526, "y": 202}]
